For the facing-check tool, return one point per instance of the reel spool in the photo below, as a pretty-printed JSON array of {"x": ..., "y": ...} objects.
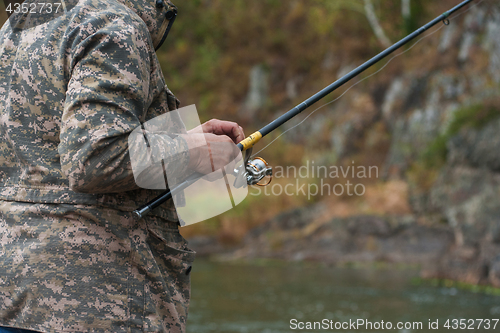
[{"x": 254, "y": 172}]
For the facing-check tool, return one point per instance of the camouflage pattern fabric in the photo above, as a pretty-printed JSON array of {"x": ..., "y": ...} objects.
[{"x": 72, "y": 257}]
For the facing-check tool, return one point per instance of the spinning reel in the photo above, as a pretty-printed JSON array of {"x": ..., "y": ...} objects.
[{"x": 253, "y": 171}]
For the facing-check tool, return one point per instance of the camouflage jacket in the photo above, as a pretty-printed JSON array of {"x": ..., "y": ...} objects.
[{"x": 73, "y": 85}]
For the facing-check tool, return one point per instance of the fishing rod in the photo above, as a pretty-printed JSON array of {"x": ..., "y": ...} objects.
[{"x": 253, "y": 171}]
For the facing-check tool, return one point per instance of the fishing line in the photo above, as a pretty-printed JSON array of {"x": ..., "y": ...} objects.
[{"x": 369, "y": 76}]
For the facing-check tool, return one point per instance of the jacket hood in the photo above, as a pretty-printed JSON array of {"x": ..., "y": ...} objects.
[{"x": 157, "y": 14}]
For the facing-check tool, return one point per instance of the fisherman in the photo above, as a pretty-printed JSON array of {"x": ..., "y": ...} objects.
[{"x": 73, "y": 85}]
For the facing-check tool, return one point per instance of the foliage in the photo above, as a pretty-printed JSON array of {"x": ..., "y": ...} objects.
[
  {"x": 474, "y": 116},
  {"x": 425, "y": 169}
]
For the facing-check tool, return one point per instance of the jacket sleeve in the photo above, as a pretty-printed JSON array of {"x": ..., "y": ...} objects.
[{"x": 107, "y": 96}]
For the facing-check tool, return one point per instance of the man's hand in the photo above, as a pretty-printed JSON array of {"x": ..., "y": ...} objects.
[
  {"x": 220, "y": 127},
  {"x": 212, "y": 145}
]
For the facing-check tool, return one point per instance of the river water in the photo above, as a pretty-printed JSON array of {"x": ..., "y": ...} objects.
[{"x": 228, "y": 297}]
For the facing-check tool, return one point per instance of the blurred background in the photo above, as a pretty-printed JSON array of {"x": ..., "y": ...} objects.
[{"x": 420, "y": 239}]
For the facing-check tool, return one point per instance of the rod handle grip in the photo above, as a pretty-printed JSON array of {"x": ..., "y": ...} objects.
[{"x": 250, "y": 141}]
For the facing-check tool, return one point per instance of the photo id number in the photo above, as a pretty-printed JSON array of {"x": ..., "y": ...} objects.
[{"x": 32, "y": 8}]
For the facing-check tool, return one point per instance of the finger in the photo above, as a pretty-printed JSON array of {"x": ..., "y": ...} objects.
[
  {"x": 230, "y": 129},
  {"x": 240, "y": 135},
  {"x": 236, "y": 151},
  {"x": 208, "y": 127},
  {"x": 236, "y": 134},
  {"x": 197, "y": 129},
  {"x": 221, "y": 127},
  {"x": 239, "y": 156}
]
